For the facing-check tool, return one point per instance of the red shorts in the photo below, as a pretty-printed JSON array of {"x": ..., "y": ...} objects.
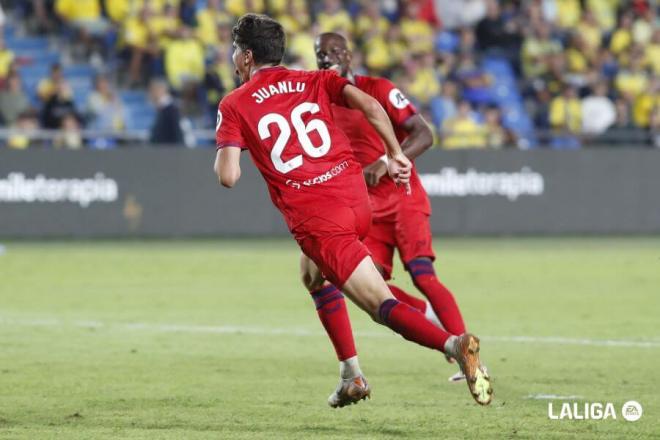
[
  {"x": 332, "y": 240},
  {"x": 409, "y": 232}
]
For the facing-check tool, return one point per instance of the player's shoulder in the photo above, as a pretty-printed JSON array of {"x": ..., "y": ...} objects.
[
  {"x": 318, "y": 75},
  {"x": 384, "y": 90},
  {"x": 373, "y": 84},
  {"x": 232, "y": 97}
]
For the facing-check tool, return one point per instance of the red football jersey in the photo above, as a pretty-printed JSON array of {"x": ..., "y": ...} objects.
[
  {"x": 368, "y": 146},
  {"x": 284, "y": 119}
]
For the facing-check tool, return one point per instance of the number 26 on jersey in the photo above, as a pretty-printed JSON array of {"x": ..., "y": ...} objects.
[{"x": 302, "y": 131}]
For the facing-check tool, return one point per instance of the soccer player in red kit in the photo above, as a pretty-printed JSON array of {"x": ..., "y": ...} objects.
[
  {"x": 284, "y": 119},
  {"x": 400, "y": 220}
]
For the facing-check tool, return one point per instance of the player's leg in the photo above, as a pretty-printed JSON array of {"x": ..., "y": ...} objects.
[
  {"x": 381, "y": 243},
  {"x": 368, "y": 290},
  {"x": 332, "y": 242},
  {"x": 414, "y": 241},
  {"x": 331, "y": 308},
  {"x": 332, "y": 312}
]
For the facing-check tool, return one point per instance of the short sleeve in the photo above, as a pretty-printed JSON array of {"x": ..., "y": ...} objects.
[
  {"x": 334, "y": 84},
  {"x": 395, "y": 103},
  {"x": 228, "y": 128}
]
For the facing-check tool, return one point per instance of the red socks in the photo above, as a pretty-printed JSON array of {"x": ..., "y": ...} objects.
[
  {"x": 333, "y": 314},
  {"x": 407, "y": 298},
  {"x": 404, "y": 315},
  {"x": 441, "y": 299},
  {"x": 412, "y": 325}
]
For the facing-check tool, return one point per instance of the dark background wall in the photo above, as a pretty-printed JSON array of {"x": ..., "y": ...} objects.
[{"x": 149, "y": 192}]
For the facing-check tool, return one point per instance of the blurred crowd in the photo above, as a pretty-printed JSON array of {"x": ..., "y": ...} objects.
[{"x": 485, "y": 73}]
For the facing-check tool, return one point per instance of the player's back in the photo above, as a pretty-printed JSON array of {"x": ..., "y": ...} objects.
[{"x": 284, "y": 118}]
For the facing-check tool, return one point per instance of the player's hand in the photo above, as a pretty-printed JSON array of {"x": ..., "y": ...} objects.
[
  {"x": 399, "y": 168},
  {"x": 374, "y": 171}
]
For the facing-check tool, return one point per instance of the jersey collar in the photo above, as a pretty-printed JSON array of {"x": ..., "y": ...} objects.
[{"x": 267, "y": 70}]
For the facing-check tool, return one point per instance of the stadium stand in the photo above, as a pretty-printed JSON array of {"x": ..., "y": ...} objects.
[{"x": 487, "y": 74}]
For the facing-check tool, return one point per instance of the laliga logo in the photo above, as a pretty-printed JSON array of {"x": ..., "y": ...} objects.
[{"x": 631, "y": 411}]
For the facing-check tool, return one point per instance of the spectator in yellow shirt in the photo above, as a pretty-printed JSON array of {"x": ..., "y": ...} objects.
[
  {"x": 48, "y": 86},
  {"x": 622, "y": 36},
  {"x": 333, "y": 18},
  {"x": 417, "y": 33},
  {"x": 647, "y": 104},
  {"x": 6, "y": 60},
  {"x": 578, "y": 54},
  {"x": 283, "y": 7},
  {"x": 23, "y": 131},
  {"x": 568, "y": 13},
  {"x": 370, "y": 23},
  {"x": 219, "y": 79},
  {"x": 605, "y": 12},
  {"x": 423, "y": 83},
  {"x": 496, "y": 135},
  {"x": 83, "y": 14},
  {"x": 142, "y": 43},
  {"x": 165, "y": 25},
  {"x": 184, "y": 60},
  {"x": 185, "y": 68},
  {"x": 652, "y": 53},
  {"x": 240, "y": 7},
  {"x": 208, "y": 19},
  {"x": 590, "y": 31},
  {"x": 301, "y": 46},
  {"x": 119, "y": 10},
  {"x": 566, "y": 111},
  {"x": 295, "y": 18},
  {"x": 537, "y": 49},
  {"x": 377, "y": 54},
  {"x": 385, "y": 52},
  {"x": 633, "y": 81},
  {"x": 463, "y": 131}
]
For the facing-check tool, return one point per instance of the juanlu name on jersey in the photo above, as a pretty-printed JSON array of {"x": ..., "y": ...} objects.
[{"x": 281, "y": 87}]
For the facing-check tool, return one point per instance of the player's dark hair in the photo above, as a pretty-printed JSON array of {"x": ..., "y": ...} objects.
[{"x": 262, "y": 35}]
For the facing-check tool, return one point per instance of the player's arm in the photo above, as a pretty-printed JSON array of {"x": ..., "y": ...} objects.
[
  {"x": 229, "y": 142},
  {"x": 228, "y": 166},
  {"x": 419, "y": 139},
  {"x": 399, "y": 166}
]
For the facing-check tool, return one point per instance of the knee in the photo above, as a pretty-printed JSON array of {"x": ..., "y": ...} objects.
[
  {"x": 310, "y": 276},
  {"x": 374, "y": 307},
  {"x": 311, "y": 282},
  {"x": 381, "y": 270},
  {"x": 381, "y": 314}
]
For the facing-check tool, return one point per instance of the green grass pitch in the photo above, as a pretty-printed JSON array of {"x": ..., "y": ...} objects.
[{"x": 217, "y": 339}]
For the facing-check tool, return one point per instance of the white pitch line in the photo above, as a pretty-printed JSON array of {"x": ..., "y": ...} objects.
[
  {"x": 551, "y": 397},
  {"x": 292, "y": 331}
]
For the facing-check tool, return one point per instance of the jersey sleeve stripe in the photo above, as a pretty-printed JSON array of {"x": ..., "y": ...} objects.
[{"x": 236, "y": 144}]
